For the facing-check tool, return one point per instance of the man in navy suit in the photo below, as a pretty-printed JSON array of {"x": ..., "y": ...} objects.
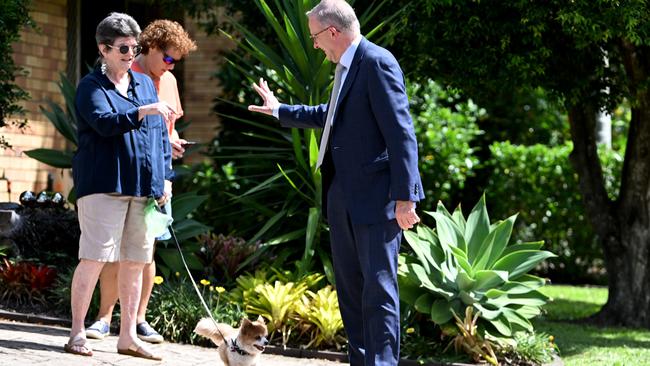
[{"x": 368, "y": 158}]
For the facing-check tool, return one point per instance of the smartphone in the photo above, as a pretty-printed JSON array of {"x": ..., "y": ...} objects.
[{"x": 187, "y": 143}]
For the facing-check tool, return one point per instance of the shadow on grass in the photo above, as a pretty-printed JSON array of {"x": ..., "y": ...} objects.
[{"x": 574, "y": 339}]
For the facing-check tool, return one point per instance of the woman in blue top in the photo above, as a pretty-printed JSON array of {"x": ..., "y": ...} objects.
[{"x": 122, "y": 159}]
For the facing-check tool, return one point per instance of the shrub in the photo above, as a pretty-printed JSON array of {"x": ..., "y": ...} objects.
[
  {"x": 539, "y": 182},
  {"x": 445, "y": 126},
  {"x": 468, "y": 263}
]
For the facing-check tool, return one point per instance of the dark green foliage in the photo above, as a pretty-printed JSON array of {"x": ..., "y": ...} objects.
[
  {"x": 14, "y": 17},
  {"x": 538, "y": 182},
  {"x": 445, "y": 127}
]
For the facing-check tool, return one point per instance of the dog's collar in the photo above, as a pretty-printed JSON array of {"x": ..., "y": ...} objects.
[{"x": 234, "y": 347}]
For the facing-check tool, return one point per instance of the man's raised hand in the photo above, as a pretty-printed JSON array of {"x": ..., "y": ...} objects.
[{"x": 270, "y": 101}]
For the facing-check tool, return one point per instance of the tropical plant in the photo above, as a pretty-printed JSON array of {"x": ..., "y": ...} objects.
[
  {"x": 277, "y": 303},
  {"x": 280, "y": 187},
  {"x": 319, "y": 313},
  {"x": 469, "y": 263}
]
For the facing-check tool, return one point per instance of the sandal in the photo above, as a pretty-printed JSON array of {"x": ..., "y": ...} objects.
[
  {"x": 138, "y": 351},
  {"x": 77, "y": 346}
]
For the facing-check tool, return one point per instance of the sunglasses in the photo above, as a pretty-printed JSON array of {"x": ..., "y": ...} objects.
[
  {"x": 169, "y": 60},
  {"x": 124, "y": 49}
]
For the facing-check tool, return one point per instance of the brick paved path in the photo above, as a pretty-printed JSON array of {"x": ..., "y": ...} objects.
[{"x": 34, "y": 344}]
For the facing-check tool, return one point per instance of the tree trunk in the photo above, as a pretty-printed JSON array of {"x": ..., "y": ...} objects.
[{"x": 623, "y": 226}]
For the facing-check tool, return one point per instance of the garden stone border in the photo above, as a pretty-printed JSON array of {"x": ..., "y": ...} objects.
[{"x": 275, "y": 350}]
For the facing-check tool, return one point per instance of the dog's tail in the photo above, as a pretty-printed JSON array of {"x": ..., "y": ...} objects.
[{"x": 208, "y": 329}]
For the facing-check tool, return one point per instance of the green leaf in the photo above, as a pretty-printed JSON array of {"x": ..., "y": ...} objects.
[
  {"x": 441, "y": 312},
  {"x": 185, "y": 203},
  {"x": 486, "y": 313},
  {"x": 448, "y": 232},
  {"x": 423, "y": 303},
  {"x": 518, "y": 263},
  {"x": 55, "y": 158},
  {"x": 502, "y": 325},
  {"x": 489, "y": 279},
  {"x": 477, "y": 228},
  {"x": 493, "y": 245},
  {"x": 187, "y": 229},
  {"x": 523, "y": 246},
  {"x": 465, "y": 283}
]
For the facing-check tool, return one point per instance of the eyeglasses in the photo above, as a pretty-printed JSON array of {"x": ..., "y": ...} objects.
[
  {"x": 169, "y": 60},
  {"x": 313, "y": 36},
  {"x": 124, "y": 49}
]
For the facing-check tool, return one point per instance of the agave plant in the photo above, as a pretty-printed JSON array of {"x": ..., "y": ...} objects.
[{"x": 469, "y": 263}]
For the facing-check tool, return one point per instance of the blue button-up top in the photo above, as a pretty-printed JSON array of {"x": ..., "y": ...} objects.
[{"x": 117, "y": 152}]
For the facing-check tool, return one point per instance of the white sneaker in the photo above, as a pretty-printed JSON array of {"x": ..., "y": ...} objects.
[
  {"x": 98, "y": 330},
  {"x": 147, "y": 333}
]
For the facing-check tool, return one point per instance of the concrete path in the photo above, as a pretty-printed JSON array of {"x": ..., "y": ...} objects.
[{"x": 33, "y": 344}]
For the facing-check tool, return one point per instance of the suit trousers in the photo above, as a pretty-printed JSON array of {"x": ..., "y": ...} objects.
[{"x": 365, "y": 268}]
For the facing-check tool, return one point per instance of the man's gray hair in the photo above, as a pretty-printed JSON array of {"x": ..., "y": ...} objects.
[
  {"x": 336, "y": 13},
  {"x": 116, "y": 25}
]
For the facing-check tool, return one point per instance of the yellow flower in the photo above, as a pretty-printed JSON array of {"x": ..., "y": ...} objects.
[
  {"x": 211, "y": 288},
  {"x": 178, "y": 274},
  {"x": 205, "y": 282},
  {"x": 220, "y": 289},
  {"x": 158, "y": 280},
  {"x": 410, "y": 330},
  {"x": 551, "y": 338}
]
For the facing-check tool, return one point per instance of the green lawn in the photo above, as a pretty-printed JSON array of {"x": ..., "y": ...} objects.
[{"x": 587, "y": 345}]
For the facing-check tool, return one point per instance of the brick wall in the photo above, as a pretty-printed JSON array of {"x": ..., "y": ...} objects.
[
  {"x": 200, "y": 87},
  {"x": 42, "y": 53}
]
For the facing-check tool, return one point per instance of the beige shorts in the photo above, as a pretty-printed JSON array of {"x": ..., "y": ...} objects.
[{"x": 113, "y": 229}]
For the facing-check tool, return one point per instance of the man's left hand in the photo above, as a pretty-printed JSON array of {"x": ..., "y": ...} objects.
[{"x": 405, "y": 214}]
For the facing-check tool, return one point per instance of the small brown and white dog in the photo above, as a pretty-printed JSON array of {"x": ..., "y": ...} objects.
[{"x": 237, "y": 347}]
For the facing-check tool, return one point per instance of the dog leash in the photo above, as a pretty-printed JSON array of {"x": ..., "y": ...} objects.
[{"x": 205, "y": 306}]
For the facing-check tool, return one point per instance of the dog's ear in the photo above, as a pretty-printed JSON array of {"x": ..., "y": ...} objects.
[
  {"x": 245, "y": 321},
  {"x": 261, "y": 319}
]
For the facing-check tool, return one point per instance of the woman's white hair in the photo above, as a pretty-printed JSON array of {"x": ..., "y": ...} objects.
[{"x": 336, "y": 13}]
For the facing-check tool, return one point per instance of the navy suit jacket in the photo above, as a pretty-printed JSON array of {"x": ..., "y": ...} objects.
[{"x": 372, "y": 146}]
